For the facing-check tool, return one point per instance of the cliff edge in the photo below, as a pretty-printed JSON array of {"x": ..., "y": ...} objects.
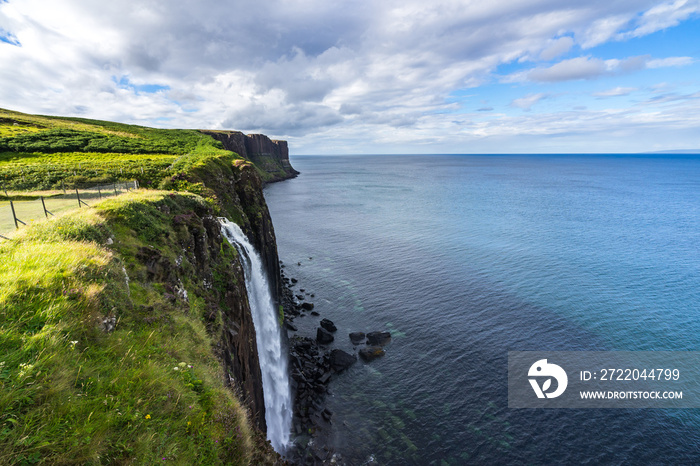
[
  {"x": 128, "y": 333},
  {"x": 269, "y": 155}
]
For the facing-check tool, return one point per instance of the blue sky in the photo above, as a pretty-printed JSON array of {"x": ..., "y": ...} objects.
[{"x": 360, "y": 76}]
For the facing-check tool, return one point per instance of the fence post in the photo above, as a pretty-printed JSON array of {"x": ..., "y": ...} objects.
[
  {"x": 14, "y": 215},
  {"x": 64, "y": 186},
  {"x": 43, "y": 204},
  {"x": 115, "y": 189},
  {"x": 99, "y": 193}
]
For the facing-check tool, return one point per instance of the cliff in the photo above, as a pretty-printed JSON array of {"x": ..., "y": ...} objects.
[
  {"x": 234, "y": 187},
  {"x": 128, "y": 334},
  {"x": 269, "y": 155}
]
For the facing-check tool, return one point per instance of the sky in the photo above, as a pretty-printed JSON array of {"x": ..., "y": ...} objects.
[{"x": 369, "y": 77}]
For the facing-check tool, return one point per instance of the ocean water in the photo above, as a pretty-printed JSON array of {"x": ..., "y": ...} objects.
[{"x": 464, "y": 258}]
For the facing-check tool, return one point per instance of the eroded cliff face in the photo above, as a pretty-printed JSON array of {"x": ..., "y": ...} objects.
[
  {"x": 236, "y": 189},
  {"x": 269, "y": 155},
  {"x": 200, "y": 272}
]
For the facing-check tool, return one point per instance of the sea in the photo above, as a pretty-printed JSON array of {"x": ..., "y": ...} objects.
[{"x": 463, "y": 258}]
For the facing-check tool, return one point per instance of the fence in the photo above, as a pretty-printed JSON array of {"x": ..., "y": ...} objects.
[{"x": 31, "y": 207}]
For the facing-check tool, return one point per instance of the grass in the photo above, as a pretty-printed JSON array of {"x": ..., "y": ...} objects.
[
  {"x": 74, "y": 392},
  {"x": 29, "y": 209},
  {"x": 38, "y": 152},
  {"x": 102, "y": 361},
  {"x": 32, "y": 211}
]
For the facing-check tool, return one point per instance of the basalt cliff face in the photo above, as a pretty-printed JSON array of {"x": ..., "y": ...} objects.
[
  {"x": 271, "y": 156},
  {"x": 237, "y": 189}
]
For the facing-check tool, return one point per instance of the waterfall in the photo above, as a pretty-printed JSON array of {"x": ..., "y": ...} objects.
[{"x": 273, "y": 359}]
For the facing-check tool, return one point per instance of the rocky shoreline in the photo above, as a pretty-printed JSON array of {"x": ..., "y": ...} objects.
[{"x": 313, "y": 366}]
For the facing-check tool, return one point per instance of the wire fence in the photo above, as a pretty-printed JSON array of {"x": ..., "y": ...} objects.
[{"x": 26, "y": 207}]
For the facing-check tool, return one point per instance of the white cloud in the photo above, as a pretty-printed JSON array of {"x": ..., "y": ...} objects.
[
  {"x": 556, "y": 48},
  {"x": 616, "y": 92},
  {"x": 528, "y": 101},
  {"x": 592, "y": 68},
  {"x": 671, "y": 61},
  {"x": 575, "y": 68},
  {"x": 345, "y": 69},
  {"x": 663, "y": 16}
]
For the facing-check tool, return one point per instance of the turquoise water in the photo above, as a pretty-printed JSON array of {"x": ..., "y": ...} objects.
[{"x": 464, "y": 258}]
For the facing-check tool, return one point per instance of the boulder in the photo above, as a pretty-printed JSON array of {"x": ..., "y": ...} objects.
[
  {"x": 323, "y": 336},
  {"x": 290, "y": 326},
  {"x": 307, "y": 306},
  {"x": 371, "y": 353},
  {"x": 340, "y": 360},
  {"x": 328, "y": 325},
  {"x": 378, "y": 338},
  {"x": 357, "y": 338}
]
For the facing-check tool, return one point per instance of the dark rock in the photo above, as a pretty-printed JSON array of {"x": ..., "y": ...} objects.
[
  {"x": 371, "y": 353},
  {"x": 291, "y": 326},
  {"x": 294, "y": 280},
  {"x": 357, "y": 338},
  {"x": 340, "y": 360},
  {"x": 307, "y": 306},
  {"x": 300, "y": 297},
  {"x": 315, "y": 313},
  {"x": 302, "y": 289},
  {"x": 328, "y": 325},
  {"x": 325, "y": 377},
  {"x": 378, "y": 338},
  {"x": 270, "y": 155},
  {"x": 323, "y": 336}
]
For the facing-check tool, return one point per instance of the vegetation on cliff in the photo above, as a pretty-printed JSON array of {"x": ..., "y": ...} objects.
[
  {"x": 42, "y": 152},
  {"x": 123, "y": 328}
]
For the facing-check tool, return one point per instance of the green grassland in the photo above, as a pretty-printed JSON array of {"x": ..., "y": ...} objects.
[
  {"x": 99, "y": 363},
  {"x": 39, "y": 152},
  {"x": 72, "y": 393}
]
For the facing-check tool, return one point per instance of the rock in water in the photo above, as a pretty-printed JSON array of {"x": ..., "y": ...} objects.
[
  {"x": 371, "y": 353},
  {"x": 328, "y": 325},
  {"x": 307, "y": 306},
  {"x": 378, "y": 338},
  {"x": 357, "y": 338},
  {"x": 340, "y": 360},
  {"x": 323, "y": 336}
]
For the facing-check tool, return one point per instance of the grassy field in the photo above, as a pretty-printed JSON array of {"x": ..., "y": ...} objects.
[
  {"x": 99, "y": 362},
  {"x": 150, "y": 390},
  {"x": 31, "y": 212},
  {"x": 38, "y": 152},
  {"x": 29, "y": 208}
]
